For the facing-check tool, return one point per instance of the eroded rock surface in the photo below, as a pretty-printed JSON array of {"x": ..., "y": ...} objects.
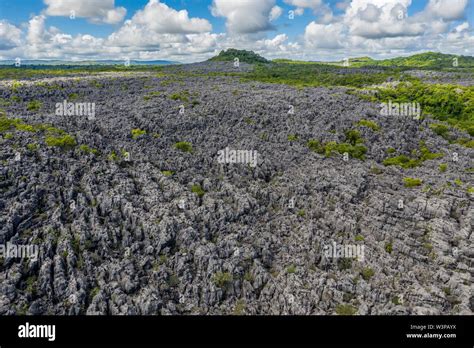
[{"x": 127, "y": 235}]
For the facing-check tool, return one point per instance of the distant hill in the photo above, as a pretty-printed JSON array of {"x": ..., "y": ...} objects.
[
  {"x": 431, "y": 60},
  {"x": 427, "y": 60},
  {"x": 86, "y": 62},
  {"x": 244, "y": 56}
]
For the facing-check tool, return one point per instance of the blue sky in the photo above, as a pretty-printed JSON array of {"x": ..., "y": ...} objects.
[
  {"x": 196, "y": 8},
  {"x": 320, "y": 29}
]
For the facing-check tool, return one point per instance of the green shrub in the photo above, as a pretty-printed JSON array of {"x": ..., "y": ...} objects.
[
  {"x": 376, "y": 170},
  {"x": 248, "y": 120},
  {"x": 49, "y": 129},
  {"x": 94, "y": 292},
  {"x": 184, "y": 146},
  {"x": 197, "y": 189},
  {"x": 136, "y": 133},
  {"x": 32, "y": 147},
  {"x": 344, "y": 264},
  {"x": 369, "y": 124},
  {"x": 466, "y": 142},
  {"x": 25, "y": 128},
  {"x": 34, "y": 105},
  {"x": 355, "y": 151},
  {"x": 16, "y": 85},
  {"x": 113, "y": 156},
  {"x": 66, "y": 141},
  {"x": 222, "y": 279},
  {"x": 389, "y": 248},
  {"x": 180, "y": 96},
  {"x": 173, "y": 281},
  {"x": 87, "y": 149},
  {"x": 291, "y": 269},
  {"x": 396, "y": 300},
  {"x": 292, "y": 137},
  {"x": 8, "y": 136},
  {"x": 443, "y": 167},
  {"x": 345, "y": 309},
  {"x": 301, "y": 213},
  {"x": 440, "y": 129},
  {"x": 425, "y": 154},
  {"x": 412, "y": 182},
  {"x": 402, "y": 161},
  {"x": 31, "y": 285},
  {"x": 353, "y": 137},
  {"x": 367, "y": 273},
  {"x": 248, "y": 277},
  {"x": 239, "y": 307},
  {"x": 7, "y": 123},
  {"x": 167, "y": 172},
  {"x": 151, "y": 95},
  {"x": 458, "y": 182},
  {"x": 315, "y": 145},
  {"x": 419, "y": 156}
]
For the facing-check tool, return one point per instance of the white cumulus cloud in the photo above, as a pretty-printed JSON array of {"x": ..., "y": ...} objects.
[
  {"x": 447, "y": 9},
  {"x": 275, "y": 13},
  {"x": 245, "y": 16},
  {"x": 324, "y": 35},
  {"x": 10, "y": 35},
  {"x": 98, "y": 11}
]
